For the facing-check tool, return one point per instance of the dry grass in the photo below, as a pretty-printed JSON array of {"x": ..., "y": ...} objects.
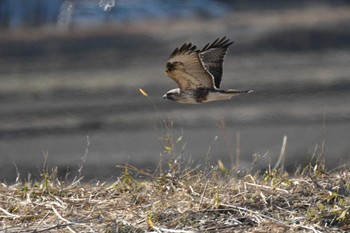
[
  {"x": 186, "y": 199},
  {"x": 197, "y": 200},
  {"x": 181, "y": 197}
]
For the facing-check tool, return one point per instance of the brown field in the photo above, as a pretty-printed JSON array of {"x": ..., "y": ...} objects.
[
  {"x": 58, "y": 87},
  {"x": 184, "y": 200},
  {"x": 72, "y": 100}
]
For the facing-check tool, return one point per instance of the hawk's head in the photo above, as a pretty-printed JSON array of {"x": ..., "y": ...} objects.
[{"x": 173, "y": 94}]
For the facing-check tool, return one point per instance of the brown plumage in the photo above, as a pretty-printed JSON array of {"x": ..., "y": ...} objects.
[{"x": 198, "y": 73}]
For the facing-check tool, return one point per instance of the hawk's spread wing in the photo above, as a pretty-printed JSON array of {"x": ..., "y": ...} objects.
[
  {"x": 192, "y": 69},
  {"x": 213, "y": 55}
]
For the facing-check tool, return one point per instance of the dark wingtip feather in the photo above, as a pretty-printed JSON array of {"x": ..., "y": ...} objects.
[
  {"x": 189, "y": 48},
  {"x": 223, "y": 42},
  {"x": 186, "y": 48}
]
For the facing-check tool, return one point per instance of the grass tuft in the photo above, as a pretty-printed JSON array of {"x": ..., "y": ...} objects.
[
  {"x": 182, "y": 197},
  {"x": 195, "y": 201}
]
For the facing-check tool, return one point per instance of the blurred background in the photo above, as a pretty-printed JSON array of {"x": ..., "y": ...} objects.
[{"x": 70, "y": 74}]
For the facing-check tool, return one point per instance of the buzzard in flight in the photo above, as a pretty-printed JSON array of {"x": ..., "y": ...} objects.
[{"x": 198, "y": 73}]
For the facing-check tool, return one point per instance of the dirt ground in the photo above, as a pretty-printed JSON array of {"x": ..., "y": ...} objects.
[{"x": 72, "y": 93}]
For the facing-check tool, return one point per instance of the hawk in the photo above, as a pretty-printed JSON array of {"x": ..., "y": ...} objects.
[{"x": 198, "y": 73}]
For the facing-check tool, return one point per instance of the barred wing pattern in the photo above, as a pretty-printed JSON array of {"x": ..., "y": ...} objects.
[
  {"x": 212, "y": 56},
  {"x": 192, "y": 69}
]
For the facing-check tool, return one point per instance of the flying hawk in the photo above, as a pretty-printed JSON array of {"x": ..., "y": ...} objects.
[{"x": 198, "y": 73}]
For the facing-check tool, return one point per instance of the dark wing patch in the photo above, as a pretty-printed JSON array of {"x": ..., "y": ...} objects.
[
  {"x": 187, "y": 70},
  {"x": 212, "y": 57},
  {"x": 192, "y": 69}
]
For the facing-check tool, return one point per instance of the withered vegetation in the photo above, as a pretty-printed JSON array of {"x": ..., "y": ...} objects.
[
  {"x": 183, "y": 200},
  {"x": 182, "y": 196}
]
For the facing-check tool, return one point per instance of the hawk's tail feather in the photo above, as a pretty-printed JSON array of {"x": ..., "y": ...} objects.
[{"x": 233, "y": 91}]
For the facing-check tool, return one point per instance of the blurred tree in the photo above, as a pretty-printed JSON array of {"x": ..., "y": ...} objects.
[{"x": 24, "y": 13}]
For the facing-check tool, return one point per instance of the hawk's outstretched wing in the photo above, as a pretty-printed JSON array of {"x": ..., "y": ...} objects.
[
  {"x": 192, "y": 69},
  {"x": 213, "y": 55}
]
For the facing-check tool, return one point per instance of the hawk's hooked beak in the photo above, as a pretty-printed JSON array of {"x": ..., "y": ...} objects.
[{"x": 164, "y": 96}]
